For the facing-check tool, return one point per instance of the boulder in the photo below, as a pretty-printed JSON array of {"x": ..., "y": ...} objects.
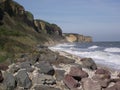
[
  {"x": 104, "y": 83},
  {"x": 77, "y": 73},
  {"x": 114, "y": 87},
  {"x": 64, "y": 60},
  {"x": 88, "y": 63},
  {"x": 26, "y": 65},
  {"x": 43, "y": 79},
  {"x": 59, "y": 74},
  {"x": 13, "y": 68},
  {"x": 44, "y": 87},
  {"x": 102, "y": 74},
  {"x": 70, "y": 82},
  {"x": 23, "y": 79},
  {"x": 1, "y": 77},
  {"x": 9, "y": 81},
  {"x": 45, "y": 68},
  {"x": 102, "y": 71},
  {"x": 89, "y": 84}
]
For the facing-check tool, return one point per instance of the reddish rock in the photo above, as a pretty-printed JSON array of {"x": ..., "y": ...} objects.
[
  {"x": 102, "y": 74},
  {"x": 77, "y": 73},
  {"x": 3, "y": 67},
  {"x": 1, "y": 77},
  {"x": 70, "y": 82},
  {"x": 89, "y": 84},
  {"x": 102, "y": 71}
]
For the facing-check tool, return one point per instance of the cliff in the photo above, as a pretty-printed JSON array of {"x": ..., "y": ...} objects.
[
  {"x": 20, "y": 32},
  {"x": 72, "y": 37}
]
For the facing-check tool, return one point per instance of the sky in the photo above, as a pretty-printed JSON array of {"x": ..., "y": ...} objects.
[{"x": 97, "y": 18}]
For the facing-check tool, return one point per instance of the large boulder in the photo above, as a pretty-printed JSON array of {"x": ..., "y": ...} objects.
[
  {"x": 88, "y": 63},
  {"x": 23, "y": 79},
  {"x": 70, "y": 82},
  {"x": 77, "y": 73},
  {"x": 9, "y": 81},
  {"x": 45, "y": 68}
]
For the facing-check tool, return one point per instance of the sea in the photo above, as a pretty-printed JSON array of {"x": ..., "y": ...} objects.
[{"x": 104, "y": 53}]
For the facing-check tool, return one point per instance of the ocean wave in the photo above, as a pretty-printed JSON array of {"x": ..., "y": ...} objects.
[
  {"x": 93, "y": 47},
  {"x": 112, "y": 49}
]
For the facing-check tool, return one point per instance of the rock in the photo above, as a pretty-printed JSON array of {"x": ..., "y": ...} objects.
[
  {"x": 9, "y": 81},
  {"x": 45, "y": 68},
  {"x": 23, "y": 79},
  {"x": 43, "y": 79},
  {"x": 115, "y": 80},
  {"x": 59, "y": 74},
  {"x": 77, "y": 73},
  {"x": 111, "y": 88},
  {"x": 13, "y": 68},
  {"x": 102, "y": 74},
  {"x": 88, "y": 63},
  {"x": 104, "y": 83},
  {"x": 114, "y": 87},
  {"x": 118, "y": 75},
  {"x": 70, "y": 82},
  {"x": 44, "y": 87},
  {"x": 26, "y": 65},
  {"x": 3, "y": 67},
  {"x": 64, "y": 60},
  {"x": 102, "y": 71},
  {"x": 1, "y": 77},
  {"x": 89, "y": 84}
]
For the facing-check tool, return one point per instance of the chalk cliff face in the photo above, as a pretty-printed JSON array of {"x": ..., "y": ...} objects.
[{"x": 71, "y": 37}]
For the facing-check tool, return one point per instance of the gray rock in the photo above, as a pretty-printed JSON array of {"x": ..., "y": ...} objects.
[
  {"x": 88, "y": 63},
  {"x": 44, "y": 87},
  {"x": 64, "y": 60},
  {"x": 45, "y": 68},
  {"x": 9, "y": 81},
  {"x": 114, "y": 87},
  {"x": 23, "y": 79},
  {"x": 43, "y": 79},
  {"x": 59, "y": 74},
  {"x": 26, "y": 65},
  {"x": 13, "y": 68}
]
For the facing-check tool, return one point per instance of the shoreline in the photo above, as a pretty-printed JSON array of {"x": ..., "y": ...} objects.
[{"x": 77, "y": 58}]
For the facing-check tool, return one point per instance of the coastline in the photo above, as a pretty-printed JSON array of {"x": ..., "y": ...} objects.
[{"x": 54, "y": 70}]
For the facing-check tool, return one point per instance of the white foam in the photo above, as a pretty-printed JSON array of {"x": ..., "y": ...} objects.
[
  {"x": 112, "y": 49},
  {"x": 93, "y": 47}
]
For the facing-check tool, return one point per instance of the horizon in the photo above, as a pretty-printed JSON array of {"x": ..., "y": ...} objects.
[{"x": 99, "y": 19}]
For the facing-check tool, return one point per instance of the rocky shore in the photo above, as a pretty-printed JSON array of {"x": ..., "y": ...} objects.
[{"x": 51, "y": 70}]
